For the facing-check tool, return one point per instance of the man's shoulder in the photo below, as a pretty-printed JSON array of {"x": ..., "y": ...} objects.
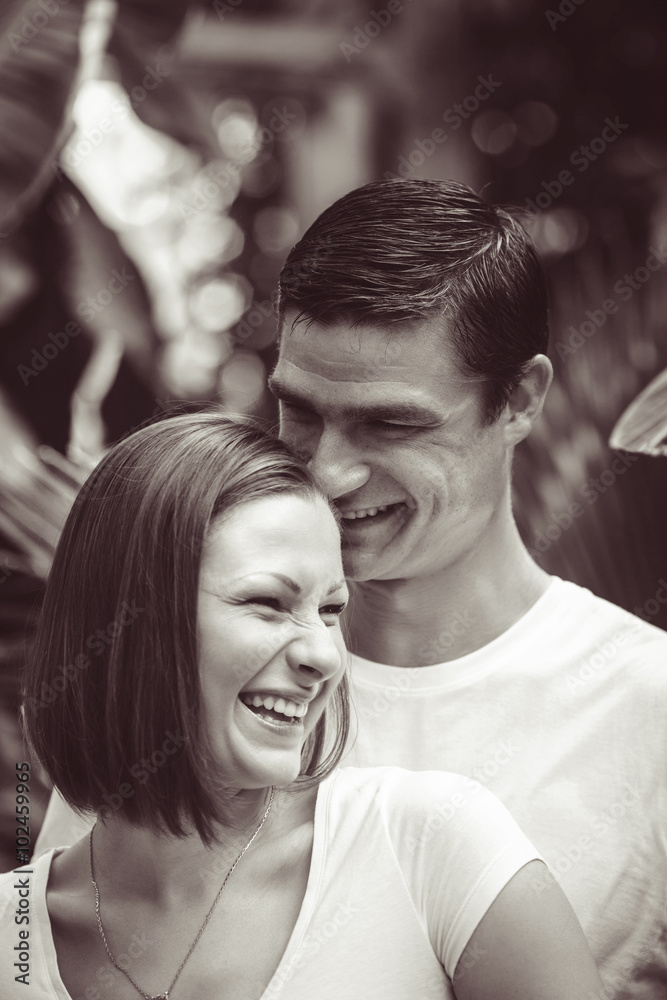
[
  {"x": 634, "y": 625},
  {"x": 605, "y": 654}
]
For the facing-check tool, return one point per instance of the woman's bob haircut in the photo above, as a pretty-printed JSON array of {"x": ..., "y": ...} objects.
[{"x": 112, "y": 695}]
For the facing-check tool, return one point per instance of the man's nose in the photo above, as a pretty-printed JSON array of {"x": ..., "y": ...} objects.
[{"x": 336, "y": 465}]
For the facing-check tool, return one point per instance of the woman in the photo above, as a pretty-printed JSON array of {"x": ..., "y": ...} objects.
[{"x": 188, "y": 686}]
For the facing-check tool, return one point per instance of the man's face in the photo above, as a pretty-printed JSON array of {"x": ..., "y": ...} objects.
[{"x": 396, "y": 437}]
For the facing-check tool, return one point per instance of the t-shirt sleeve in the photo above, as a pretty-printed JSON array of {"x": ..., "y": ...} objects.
[
  {"x": 61, "y": 826},
  {"x": 458, "y": 847}
]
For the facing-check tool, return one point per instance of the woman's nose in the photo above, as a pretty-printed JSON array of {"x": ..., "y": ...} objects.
[{"x": 315, "y": 655}]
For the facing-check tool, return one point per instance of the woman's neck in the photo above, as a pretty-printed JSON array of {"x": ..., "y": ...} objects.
[
  {"x": 167, "y": 868},
  {"x": 156, "y": 891}
]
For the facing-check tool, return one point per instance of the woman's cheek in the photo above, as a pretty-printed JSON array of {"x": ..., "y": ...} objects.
[{"x": 262, "y": 641}]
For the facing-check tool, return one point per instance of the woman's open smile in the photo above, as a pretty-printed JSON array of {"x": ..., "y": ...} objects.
[{"x": 271, "y": 649}]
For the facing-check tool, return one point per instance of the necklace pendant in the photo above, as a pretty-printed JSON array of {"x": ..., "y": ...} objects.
[{"x": 162, "y": 996}]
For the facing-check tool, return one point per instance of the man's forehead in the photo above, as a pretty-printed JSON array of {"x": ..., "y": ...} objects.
[
  {"x": 362, "y": 354},
  {"x": 302, "y": 387}
]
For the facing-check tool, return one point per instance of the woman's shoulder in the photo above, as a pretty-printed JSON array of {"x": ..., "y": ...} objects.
[
  {"x": 397, "y": 786},
  {"x": 424, "y": 811},
  {"x": 27, "y": 876},
  {"x": 405, "y": 799},
  {"x": 447, "y": 836},
  {"x": 28, "y": 883}
]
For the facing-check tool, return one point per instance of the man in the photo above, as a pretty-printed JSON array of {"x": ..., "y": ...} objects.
[
  {"x": 413, "y": 328},
  {"x": 412, "y": 335}
]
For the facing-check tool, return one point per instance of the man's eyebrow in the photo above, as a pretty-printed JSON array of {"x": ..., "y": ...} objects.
[
  {"x": 282, "y": 392},
  {"x": 398, "y": 412}
]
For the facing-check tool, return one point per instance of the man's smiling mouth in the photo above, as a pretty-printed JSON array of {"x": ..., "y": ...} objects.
[{"x": 362, "y": 512}]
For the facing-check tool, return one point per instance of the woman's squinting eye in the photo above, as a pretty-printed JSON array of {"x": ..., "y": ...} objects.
[
  {"x": 268, "y": 602},
  {"x": 334, "y": 610},
  {"x": 275, "y": 604}
]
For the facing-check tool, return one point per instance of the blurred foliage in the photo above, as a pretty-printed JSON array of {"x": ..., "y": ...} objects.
[
  {"x": 39, "y": 62},
  {"x": 64, "y": 381},
  {"x": 643, "y": 426},
  {"x": 602, "y": 63}
]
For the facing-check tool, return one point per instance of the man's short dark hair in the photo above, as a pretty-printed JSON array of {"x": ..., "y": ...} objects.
[
  {"x": 408, "y": 251},
  {"x": 112, "y": 694}
]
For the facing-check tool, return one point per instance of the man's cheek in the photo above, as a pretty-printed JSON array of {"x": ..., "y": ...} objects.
[{"x": 297, "y": 438}]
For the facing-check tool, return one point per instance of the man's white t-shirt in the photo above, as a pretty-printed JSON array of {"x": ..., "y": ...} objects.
[
  {"x": 564, "y": 718},
  {"x": 404, "y": 866}
]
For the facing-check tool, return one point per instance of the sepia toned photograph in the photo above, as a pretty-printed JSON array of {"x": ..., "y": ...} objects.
[{"x": 333, "y": 479}]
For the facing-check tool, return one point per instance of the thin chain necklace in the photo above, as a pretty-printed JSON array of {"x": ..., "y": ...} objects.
[{"x": 165, "y": 995}]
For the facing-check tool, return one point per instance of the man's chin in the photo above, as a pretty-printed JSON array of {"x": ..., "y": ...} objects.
[
  {"x": 371, "y": 548},
  {"x": 360, "y": 567}
]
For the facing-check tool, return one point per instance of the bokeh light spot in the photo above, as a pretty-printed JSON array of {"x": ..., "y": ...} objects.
[
  {"x": 242, "y": 382},
  {"x": 493, "y": 131},
  {"x": 276, "y": 229},
  {"x": 536, "y": 121},
  {"x": 559, "y": 231},
  {"x": 219, "y": 303}
]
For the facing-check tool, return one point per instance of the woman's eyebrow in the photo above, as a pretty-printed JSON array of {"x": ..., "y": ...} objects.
[{"x": 288, "y": 581}]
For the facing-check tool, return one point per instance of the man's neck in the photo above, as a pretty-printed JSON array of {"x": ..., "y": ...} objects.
[{"x": 431, "y": 619}]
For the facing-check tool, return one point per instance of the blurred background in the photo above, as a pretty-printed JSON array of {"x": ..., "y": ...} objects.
[{"x": 159, "y": 158}]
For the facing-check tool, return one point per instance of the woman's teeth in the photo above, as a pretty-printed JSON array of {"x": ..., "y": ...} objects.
[{"x": 290, "y": 709}]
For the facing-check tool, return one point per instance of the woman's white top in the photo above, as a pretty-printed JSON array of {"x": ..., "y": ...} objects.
[{"x": 404, "y": 866}]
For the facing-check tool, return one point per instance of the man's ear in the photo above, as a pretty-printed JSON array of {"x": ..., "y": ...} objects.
[{"x": 525, "y": 403}]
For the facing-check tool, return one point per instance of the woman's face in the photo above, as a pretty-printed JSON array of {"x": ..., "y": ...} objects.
[{"x": 271, "y": 593}]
